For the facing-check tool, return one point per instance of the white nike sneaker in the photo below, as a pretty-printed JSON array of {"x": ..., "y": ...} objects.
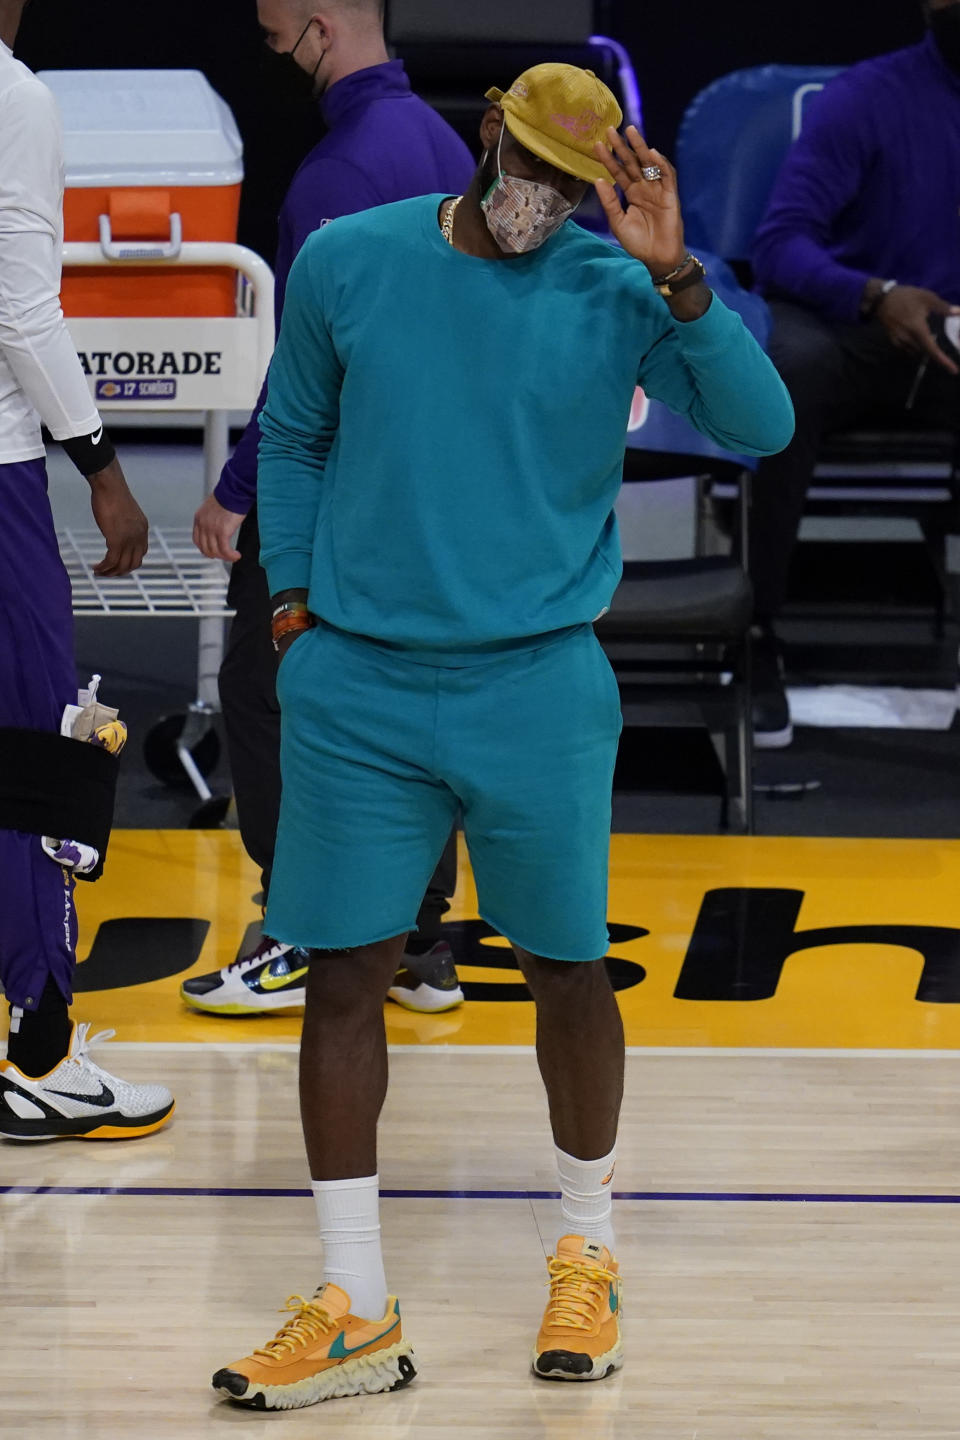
[
  {"x": 77, "y": 1100},
  {"x": 272, "y": 978}
]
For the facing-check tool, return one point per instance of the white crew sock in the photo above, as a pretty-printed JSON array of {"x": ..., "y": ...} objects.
[
  {"x": 585, "y": 1204},
  {"x": 348, "y": 1213}
]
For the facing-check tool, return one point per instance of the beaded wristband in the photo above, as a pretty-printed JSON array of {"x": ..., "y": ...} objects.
[
  {"x": 280, "y": 632},
  {"x": 669, "y": 288},
  {"x": 665, "y": 279},
  {"x": 292, "y": 622}
]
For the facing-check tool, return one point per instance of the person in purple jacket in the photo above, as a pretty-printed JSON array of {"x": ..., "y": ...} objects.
[
  {"x": 383, "y": 144},
  {"x": 859, "y": 254}
]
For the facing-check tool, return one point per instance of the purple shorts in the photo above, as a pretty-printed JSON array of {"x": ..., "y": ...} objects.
[{"x": 37, "y": 679}]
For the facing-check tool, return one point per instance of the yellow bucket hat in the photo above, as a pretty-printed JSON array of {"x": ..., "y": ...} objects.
[{"x": 560, "y": 112}]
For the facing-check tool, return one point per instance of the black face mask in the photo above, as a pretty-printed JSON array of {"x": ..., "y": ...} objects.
[
  {"x": 945, "y": 27},
  {"x": 291, "y": 75}
]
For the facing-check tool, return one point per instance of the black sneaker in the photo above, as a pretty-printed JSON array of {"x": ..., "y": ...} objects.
[
  {"x": 772, "y": 727},
  {"x": 272, "y": 978},
  {"x": 428, "y": 983}
]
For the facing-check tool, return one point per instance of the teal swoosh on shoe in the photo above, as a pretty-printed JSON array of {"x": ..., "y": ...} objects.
[{"x": 339, "y": 1350}]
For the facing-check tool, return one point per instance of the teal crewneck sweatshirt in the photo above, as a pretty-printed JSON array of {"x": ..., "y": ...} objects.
[{"x": 443, "y": 436}]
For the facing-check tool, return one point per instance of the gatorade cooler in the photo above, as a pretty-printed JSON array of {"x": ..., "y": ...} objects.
[{"x": 153, "y": 158}]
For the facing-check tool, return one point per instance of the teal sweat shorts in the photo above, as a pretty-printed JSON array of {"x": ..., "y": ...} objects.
[{"x": 382, "y": 747}]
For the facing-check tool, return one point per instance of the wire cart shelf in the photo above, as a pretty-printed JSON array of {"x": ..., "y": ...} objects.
[{"x": 174, "y": 579}]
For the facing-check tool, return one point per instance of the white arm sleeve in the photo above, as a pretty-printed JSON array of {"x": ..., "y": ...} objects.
[{"x": 34, "y": 339}]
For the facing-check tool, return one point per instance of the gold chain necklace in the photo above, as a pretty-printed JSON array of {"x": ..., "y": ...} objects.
[{"x": 446, "y": 229}]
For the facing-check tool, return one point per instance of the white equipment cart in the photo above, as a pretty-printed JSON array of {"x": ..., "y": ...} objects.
[{"x": 153, "y": 158}]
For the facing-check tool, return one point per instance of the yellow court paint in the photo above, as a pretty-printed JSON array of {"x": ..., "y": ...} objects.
[{"x": 728, "y": 918}]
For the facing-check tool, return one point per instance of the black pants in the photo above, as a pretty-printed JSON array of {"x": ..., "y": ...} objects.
[
  {"x": 251, "y": 717},
  {"x": 840, "y": 377}
]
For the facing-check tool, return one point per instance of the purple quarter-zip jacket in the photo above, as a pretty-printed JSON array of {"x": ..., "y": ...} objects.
[
  {"x": 383, "y": 144},
  {"x": 871, "y": 188}
]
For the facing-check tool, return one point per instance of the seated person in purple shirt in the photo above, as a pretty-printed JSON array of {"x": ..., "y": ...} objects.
[
  {"x": 858, "y": 253},
  {"x": 382, "y": 144}
]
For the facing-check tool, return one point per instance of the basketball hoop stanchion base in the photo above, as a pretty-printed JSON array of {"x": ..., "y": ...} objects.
[{"x": 205, "y": 366}]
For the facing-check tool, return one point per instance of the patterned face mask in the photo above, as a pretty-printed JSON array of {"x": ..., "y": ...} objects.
[{"x": 521, "y": 215}]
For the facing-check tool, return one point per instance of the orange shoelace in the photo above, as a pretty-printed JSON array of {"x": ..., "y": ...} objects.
[
  {"x": 310, "y": 1322},
  {"x": 577, "y": 1294}
]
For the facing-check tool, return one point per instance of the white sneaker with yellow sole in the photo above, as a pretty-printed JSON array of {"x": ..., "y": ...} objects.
[{"x": 77, "y": 1100}]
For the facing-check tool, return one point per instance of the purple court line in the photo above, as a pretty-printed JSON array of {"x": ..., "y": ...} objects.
[{"x": 701, "y": 1196}]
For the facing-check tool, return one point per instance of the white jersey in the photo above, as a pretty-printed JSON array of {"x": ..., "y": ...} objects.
[{"x": 40, "y": 375}]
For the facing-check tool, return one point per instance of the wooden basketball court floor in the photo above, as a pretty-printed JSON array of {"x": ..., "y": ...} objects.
[{"x": 788, "y": 1221}]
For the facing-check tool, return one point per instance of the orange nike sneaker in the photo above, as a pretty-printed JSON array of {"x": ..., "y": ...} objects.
[
  {"x": 322, "y": 1353},
  {"x": 580, "y": 1335}
]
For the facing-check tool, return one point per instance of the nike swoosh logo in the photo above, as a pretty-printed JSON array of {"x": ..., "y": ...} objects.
[
  {"x": 339, "y": 1350},
  {"x": 105, "y": 1099},
  {"x": 280, "y": 982},
  {"x": 97, "y": 436}
]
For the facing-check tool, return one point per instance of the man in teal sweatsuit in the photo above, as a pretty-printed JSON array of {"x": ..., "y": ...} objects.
[{"x": 442, "y": 448}]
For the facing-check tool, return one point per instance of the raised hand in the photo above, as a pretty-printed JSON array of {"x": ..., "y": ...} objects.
[{"x": 650, "y": 228}]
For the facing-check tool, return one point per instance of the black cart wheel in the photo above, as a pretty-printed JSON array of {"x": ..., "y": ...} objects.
[
  {"x": 211, "y": 814},
  {"x": 160, "y": 751}
]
